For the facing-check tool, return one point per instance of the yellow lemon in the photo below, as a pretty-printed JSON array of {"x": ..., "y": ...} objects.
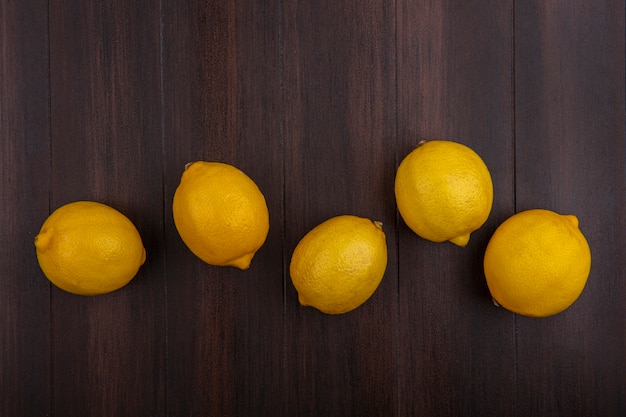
[
  {"x": 537, "y": 263},
  {"x": 89, "y": 248},
  {"x": 443, "y": 191},
  {"x": 220, "y": 214},
  {"x": 339, "y": 264}
]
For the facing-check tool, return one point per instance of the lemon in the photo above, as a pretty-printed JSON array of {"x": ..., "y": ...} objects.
[
  {"x": 537, "y": 263},
  {"x": 89, "y": 248},
  {"x": 338, "y": 265},
  {"x": 220, "y": 214},
  {"x": 443, "y": 191}
]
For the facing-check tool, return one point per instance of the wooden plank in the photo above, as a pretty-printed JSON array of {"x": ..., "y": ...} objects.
[
  {"x": 456, "y": 354},
  {"x": 222, "y": 102},
  {"x": 109, "y": 351},
  {"x": 571, "y": 158},
  {"x": 339, "y": 88},
  {"x": 24, "y": 185},
  {"x": 318, "y": 103}
]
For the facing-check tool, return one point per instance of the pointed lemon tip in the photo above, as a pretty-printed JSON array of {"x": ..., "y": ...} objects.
[
  {"x": 143, "y": 256},
  {"x": 243, "y": 262},
  {"x": 302, "y": 301},
  {"x": 43, "y": 240},
  {"x": 378, "y": 224},
  {"x": 572, "y": 219},
  {"x": 461, "y": 240}
]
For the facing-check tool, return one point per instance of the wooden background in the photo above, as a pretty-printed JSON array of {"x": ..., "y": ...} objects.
[{"x": 317, "y": 101}]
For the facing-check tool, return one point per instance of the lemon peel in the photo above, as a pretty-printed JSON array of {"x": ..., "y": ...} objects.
[
  {"x": 339, "y": 264},
  {"x": 220, "y": 214},
  {"x": 443, "y": 191},
  {"x": 537, "y": 263},
  {"x": 89, "y": 248}
]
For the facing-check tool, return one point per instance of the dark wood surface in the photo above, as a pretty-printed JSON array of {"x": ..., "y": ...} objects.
[{"x": 317, "y": 102}]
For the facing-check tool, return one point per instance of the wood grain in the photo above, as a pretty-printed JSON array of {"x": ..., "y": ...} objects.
[
  {"x": 222, "y": 103},
  {"x": 571, "y": 158},
  {"x": 339, "y": 78},
  {"x": 199, "y": 113},
  {"x": 456, "y": 353},
  {"x": 108, "y": 352},
  {"x": 318, "y": 103},
  {"x": 25, "y": 321}
]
